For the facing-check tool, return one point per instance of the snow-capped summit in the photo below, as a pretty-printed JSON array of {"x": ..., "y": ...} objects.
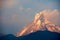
[{"x": 40, "y": 22}]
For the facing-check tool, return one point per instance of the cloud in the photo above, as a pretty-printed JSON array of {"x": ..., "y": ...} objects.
[{"x": 10, "y": 3}]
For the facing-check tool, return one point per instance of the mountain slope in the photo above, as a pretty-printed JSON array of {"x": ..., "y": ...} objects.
[
  {"x": 38, "y": 35},
  {"x": 41, "y": 35},
  {"x": 41, "y": 22},
  {"x": 8, "y": 37}
]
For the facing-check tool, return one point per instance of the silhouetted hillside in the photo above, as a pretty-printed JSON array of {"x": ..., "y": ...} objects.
[
  {"x": 8, "y": 37},
  {"x": 39, "y": 35}
]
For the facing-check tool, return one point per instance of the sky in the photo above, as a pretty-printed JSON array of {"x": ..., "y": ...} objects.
[{"x": 17, "y": 13}]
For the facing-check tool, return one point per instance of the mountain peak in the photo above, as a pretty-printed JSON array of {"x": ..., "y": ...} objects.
[{"x": 40, "y": 22}]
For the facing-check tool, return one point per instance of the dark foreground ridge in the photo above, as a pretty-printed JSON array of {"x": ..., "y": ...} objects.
[
  {"x": 8, "y": 37},
  {"x": 39, "y": 35}
]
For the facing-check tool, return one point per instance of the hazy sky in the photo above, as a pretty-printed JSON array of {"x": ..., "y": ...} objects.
[{"x": 17, "y": 13}]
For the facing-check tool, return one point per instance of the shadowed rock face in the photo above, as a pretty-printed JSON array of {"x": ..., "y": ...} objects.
[{"x": 41, "y": 22}]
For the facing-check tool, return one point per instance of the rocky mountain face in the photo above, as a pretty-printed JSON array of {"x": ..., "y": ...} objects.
[{"x": 41, "y": 22}]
